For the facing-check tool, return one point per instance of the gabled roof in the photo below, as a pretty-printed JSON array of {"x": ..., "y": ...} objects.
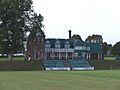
[
  {"x": 95, "y": 48},
  {"x": 62, "y": 42},
  {"x": 36, "y": 33},
  {"x": 79, "y": 43}
]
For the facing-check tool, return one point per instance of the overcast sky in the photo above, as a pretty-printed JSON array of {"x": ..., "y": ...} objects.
[{"x": 83, "y": 17}]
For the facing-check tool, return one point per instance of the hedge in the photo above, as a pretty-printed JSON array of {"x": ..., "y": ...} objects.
[
  {"x": 105, "y": 64},
  {"x": 20, "y": 65}
]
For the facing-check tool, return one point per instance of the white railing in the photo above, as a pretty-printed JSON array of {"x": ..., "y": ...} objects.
[
  {"x": 68, "y": 68},
  {"x": 58, "y": 50},
  {"x": 58, "y": 68},
  {"x": 83, "y": 68}
]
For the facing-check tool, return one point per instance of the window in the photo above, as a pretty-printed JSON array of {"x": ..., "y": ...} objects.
[
  {"x": 67, "y": 44},
  {"x": 92, "y": 41},
  {"x": 57, "y": 44},
  {"x": 83, "y": 54},
  {"x": 78, "y": 47},
  {"x": 76, "y": 54},
  {"x": 47, "y": 45},
  {"x": 82, "y": 48},
  {"x": 88, "y": 48},
  {"x": 38, "y": 34},
  {"x": 88, "y": 41}
]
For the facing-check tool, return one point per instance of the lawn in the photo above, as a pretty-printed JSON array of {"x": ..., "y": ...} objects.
[
  {"x": 60, "y": 80},
  {"x": 14, "y": 58},
  {"x": 109, "y": 58}
]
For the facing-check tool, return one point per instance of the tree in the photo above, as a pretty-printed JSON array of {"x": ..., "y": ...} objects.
[
  {"x": 15, "y": 19},
  {"x": 76, "y": 36},
  {"x": 116, "y": 49},
  {"x": 105, "y": 48},
  {"x": 94, "y": 39}
]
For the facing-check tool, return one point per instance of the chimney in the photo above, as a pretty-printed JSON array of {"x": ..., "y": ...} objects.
[{"x": 69, "y": 34}]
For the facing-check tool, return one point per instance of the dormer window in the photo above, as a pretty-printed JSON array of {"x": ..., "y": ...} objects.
[
  {"x": 38, "y": 34},
  {"x": 92, "y": 41},
  {"x": 88, "y": 48},
  {"x": 88, "y": 41},
  {"x": 57, "y": 44},
  {"x": 47, "y": 45},
  {"x": 67, "y": 44}
]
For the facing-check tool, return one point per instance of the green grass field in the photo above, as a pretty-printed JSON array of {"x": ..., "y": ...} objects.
[
  {"x": 109, "y": 58},
  {"x": 60, "y": 80},
  {"x": 14, "y": 58}
]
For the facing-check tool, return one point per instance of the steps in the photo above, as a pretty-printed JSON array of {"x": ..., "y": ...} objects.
[{"x": 75, "y": 64}]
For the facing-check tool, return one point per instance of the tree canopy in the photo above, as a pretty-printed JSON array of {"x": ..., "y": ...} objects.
[
  {"x": 116, "y": 49},
  {"x": 105, "y": 47},
  {"x": 17, "y": 17},
  {"x": 96, "y": 38},
  {"x": 76, "y": 36}
]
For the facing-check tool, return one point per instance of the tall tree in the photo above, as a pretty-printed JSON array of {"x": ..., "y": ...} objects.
[
  {"x": 94, "y": 39},
  {"x": 116, "y": 49},
  {"x": 105, "y": 48},
  {"x": 15, "y": 19}
]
